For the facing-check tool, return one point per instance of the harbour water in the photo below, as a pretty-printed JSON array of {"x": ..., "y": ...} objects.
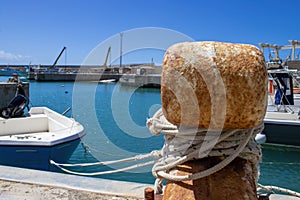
[{"x": 114, "y": 117}]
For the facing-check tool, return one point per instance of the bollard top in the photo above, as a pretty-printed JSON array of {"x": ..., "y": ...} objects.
[{"x": 214, "y": 85}]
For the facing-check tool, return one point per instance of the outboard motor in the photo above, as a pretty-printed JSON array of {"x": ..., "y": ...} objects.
[
  {"x": 260, "y": 138},
  {"x": 16, "y": 107},
  {"x": 17, "y": 104}
]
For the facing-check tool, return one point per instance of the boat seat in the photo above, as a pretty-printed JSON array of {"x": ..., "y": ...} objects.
[{"x": 22, "y": 125}]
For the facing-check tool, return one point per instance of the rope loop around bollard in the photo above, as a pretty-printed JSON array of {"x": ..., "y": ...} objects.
[{"x": 230, "y": 144}]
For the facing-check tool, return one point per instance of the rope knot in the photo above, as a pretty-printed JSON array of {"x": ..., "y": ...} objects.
[{"x": 153, "y": 127}]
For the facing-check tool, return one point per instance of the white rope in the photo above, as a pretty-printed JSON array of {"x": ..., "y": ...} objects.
[
  {"x": 184, "y": 144},
  {"x": 104, "y": 172},
  {"x": 154, "y": 154},
  {"x": 214, "y": 169},
  {"x": 270, "y": 189}
]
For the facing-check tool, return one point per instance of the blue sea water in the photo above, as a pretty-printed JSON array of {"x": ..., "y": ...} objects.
[{"x": 114, "y": 117}]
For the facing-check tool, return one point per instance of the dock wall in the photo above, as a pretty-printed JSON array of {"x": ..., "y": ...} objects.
[{"x": 75, "y": 76}]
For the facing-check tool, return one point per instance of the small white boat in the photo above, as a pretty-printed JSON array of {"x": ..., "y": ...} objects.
[
  {"x": 108, "y": 81},
  {"x": 33, "y": 140}
]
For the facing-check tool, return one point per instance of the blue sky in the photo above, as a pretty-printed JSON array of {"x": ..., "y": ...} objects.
[{"x": 36, "y": 31}]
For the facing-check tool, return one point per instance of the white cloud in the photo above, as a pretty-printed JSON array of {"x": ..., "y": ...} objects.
[{"x": 11, "y": 57}]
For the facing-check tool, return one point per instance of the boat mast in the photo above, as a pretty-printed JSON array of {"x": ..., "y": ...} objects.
[{"x": 121, "y": 41}]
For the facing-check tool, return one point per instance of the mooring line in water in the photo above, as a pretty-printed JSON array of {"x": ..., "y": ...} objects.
[
  {"x": 66, "y": 111},
  {"x": 279, "y": 163},
  {"x": 103, "y": 172},
  {"x": 88, "y": 148},
  {"x": 271, "y": 190}
]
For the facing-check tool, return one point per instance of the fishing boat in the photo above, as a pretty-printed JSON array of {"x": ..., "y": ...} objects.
[
  {"x": 42, "y": 135},
  {"x": 282, "y": 123},
  {"x": 9, "y": 72},
  {"x": 282, "y": 119}
]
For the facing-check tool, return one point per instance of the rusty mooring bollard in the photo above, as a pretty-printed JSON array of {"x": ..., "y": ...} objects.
[
  {"x": 149, "y": 193},
  {"x": 218, "y": 86}
]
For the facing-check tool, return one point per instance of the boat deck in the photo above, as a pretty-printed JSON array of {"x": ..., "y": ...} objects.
[
  {"x": 43, "y": 129},
  {"x": 282, "y": 116}
]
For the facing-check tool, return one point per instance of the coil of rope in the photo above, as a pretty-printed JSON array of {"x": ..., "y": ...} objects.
[{"x": 182, "y": 145}]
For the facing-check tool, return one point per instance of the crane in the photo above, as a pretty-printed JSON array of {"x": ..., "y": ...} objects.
[
  {"x": 55, "y": 62},
  {"x": 273, "y": 46},
  {"x": 106, "y": 58},
  {"x": 295, "y": 44}
]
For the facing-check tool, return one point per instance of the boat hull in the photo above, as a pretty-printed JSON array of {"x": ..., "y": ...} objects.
[
  {"x": 282, "y": 134},
  {"x": 37, "y": 157}
]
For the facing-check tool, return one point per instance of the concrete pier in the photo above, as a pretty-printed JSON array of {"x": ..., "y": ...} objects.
[
  {"x": 150, "y": 80},
  {"x": 20, "y": 183},
  {"x": 8, "y": 92}
]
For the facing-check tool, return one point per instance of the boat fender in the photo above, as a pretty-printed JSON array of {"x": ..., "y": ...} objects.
[{"x": 261, "y": 138}]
